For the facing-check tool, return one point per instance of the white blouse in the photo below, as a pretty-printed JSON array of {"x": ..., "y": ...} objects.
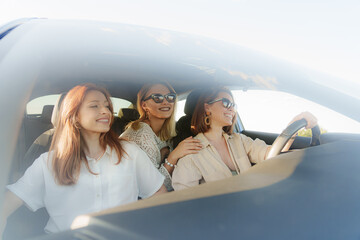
[
  {"x": 147, "y": 140},
  {"x": 114, "y": 185}
]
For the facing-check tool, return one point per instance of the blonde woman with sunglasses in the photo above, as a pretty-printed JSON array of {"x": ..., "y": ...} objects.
[
  {"x": 224, "y": 153},
  {"x": 156, "y": 104}
]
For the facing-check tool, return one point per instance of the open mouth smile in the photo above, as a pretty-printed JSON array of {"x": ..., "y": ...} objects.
[
  {"x": 165, "y": 109},
  {"x": 103, "y": 120}
]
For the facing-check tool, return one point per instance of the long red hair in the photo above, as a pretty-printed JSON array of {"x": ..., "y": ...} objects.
[{"x": 68, "y": 144}]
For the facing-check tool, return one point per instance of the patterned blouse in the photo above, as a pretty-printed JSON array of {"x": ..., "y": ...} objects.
[{"x": 151, "y": 144}]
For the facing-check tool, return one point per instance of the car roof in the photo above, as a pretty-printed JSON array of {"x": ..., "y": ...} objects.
[{"x": 55, "y": 55}]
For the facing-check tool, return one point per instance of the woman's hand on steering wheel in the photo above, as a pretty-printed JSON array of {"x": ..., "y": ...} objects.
[
  {"x": 304, "y": 119},
  {"x": 309, "y": 117}
]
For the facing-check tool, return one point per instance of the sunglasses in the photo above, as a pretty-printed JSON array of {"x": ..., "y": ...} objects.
[
  {"x": 225, "y": 102},
  {"x": 159, "y": 98}
]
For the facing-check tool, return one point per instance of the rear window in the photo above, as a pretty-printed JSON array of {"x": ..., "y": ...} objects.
[{"x": 35, "y": 106}]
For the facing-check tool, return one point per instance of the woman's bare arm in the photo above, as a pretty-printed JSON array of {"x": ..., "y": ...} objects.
[
  {"x": 11, "y": 203},
  {"x": 161, "y": 190}
]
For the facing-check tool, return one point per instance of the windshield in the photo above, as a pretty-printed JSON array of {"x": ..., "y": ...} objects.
[{"x": 270, "y": 111}]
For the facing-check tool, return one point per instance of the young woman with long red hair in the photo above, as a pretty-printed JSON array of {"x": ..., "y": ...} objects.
[{"x": 88, "y": 168}]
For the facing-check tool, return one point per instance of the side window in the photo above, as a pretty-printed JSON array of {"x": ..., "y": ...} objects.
[
  {"x": 271, "y": 111},
  {"x": 119, "y": 103},
  {"x": 180, "y": 109},
  {"x": 35, "y": 106}
]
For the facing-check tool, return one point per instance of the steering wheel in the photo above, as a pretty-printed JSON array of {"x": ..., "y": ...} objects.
[{"x": 285, "y": 136}]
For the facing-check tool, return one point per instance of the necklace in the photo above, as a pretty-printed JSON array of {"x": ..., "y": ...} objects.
[{"x": 98, "y": 155}]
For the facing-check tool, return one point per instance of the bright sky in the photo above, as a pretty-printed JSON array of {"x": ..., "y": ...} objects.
[{"x": 320, "y": 34}]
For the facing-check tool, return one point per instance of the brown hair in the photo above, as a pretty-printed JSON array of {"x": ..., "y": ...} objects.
[
  {"x": 68, "y": 144},
  {"x": 168, "y": 129},
  {"x": 198, "y": 119}
]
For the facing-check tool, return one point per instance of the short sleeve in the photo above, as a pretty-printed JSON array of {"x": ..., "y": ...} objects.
[
  {"x": 30, "y": 188},
  {"x": 186, "y": 174},
  {"x": 40, "y": 145},
  {"x": 149, "y": 179},
  {"x": 145, "y": 139},
  {"x": 255, "y": 149}
]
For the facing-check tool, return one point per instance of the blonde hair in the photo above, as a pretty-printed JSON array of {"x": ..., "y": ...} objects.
[
  {"x": 68, "y": 144},
  {"x": 168, "y": 129}
]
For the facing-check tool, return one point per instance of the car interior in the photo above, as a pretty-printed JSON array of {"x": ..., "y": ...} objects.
[
  {"x": 36, "y": 135},
  {"x": 55, "y": 56}
]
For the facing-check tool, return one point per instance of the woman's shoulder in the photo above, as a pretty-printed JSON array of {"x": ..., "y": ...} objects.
[
  {"x": 191, "y": 159},
  {"x": 43, "y": 161},
  {"x": 144, "y": 127},
  {"x": 130, "y": 132},
  {"x": 132, "y": 149},
  {"x": 129, "y": 146},
  {"x": 245, "y": 140},
  {"x": 201, "y": 137},
  {"x": 235, "y": 135},
  {"x": 45, "y": 157}
]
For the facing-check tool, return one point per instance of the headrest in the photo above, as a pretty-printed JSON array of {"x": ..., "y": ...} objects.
[
  {"x": 191, "y": 101},
  {"x": 46, "y": 113},
  {"x": 128, "y": 114},
  {"x": 55, "y": 112}
]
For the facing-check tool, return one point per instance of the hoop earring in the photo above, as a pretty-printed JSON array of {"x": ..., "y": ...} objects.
[
  {"x": 207, "y": 119},
  {"x": 77, "y": 125}
]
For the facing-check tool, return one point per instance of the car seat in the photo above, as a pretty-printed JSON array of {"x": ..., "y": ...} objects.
[
  {"x": 125, "y": 116},
  {"x": 23, "y": 223},
  {"x": 36, "y": 126},
  {"x": 42, "y": 143},
  {"x": 183, "y": 125}
]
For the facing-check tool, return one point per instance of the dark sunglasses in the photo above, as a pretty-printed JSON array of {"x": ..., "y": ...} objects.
[
  {"x": 159, "y": 98},
  {"x": 225, "y": 102}
]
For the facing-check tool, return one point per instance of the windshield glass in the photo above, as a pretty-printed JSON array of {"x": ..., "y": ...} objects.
[{"x": 271, "y": 111}]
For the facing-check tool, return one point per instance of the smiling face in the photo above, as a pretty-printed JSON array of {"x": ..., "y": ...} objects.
[
  {"x": 162, "y": 110},
  {"x": 94, "y": 114},
  {"x": 219, "y": 115}
]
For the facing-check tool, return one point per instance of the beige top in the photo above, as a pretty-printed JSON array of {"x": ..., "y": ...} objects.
[{"x": 207, "y": 166}]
